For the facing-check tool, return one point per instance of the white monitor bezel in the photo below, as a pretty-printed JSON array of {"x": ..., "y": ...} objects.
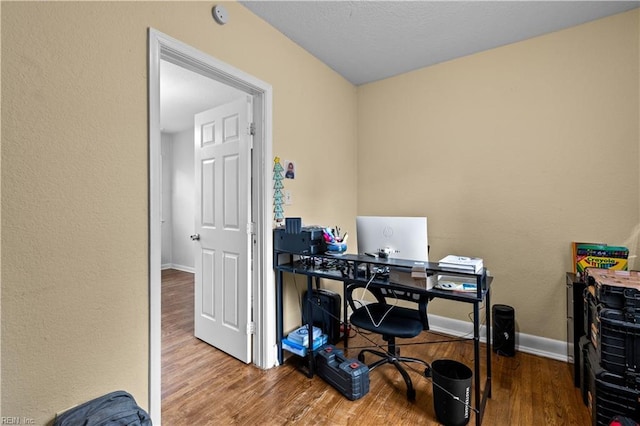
[{"x": 404, "y": 237}]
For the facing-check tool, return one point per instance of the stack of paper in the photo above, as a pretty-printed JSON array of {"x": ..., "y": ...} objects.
[
  {"x": 298, "y": 340},
  {"x": 455, "y": 286},
  {"x": 301, "y": 350},
  {"x": 301, "y": 335},
  {"x": 462, "y": 263}
]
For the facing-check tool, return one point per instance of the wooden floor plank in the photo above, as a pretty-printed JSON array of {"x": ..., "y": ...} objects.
[{"x": 203, "y": 386}]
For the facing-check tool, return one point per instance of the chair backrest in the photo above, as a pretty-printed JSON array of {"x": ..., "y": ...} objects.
[{"x": 388, "y": 294}]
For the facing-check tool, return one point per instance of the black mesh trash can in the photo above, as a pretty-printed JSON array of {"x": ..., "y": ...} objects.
[{"x": 451, "y": 392}]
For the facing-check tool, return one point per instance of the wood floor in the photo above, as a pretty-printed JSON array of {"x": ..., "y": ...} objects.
[{"x": 204, "y": 386}]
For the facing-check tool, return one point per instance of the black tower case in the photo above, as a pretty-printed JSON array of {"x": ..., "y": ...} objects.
[{"x": 326, "y": 312}]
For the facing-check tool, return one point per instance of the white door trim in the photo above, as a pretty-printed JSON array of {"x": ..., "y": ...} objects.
[{"x": 164, "y": 47}]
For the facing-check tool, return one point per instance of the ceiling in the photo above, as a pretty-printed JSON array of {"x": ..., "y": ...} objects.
[
  {"x": 366, "y": 41},
  {"x": 184, "y": 93}
]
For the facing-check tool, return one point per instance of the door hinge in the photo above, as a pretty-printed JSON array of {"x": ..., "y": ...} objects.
[
  {"x": 251, "y": 228},
  {"x": 251, "y": 329},
  {"x": 252, "y": 129}
]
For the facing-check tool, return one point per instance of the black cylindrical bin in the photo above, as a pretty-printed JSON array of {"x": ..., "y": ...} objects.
[
  {"x": 504, "y": 330},
  {"x": 451, "y": 391}
]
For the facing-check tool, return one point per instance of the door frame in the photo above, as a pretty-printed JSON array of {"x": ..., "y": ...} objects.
[{"x": 162, "y": 46}]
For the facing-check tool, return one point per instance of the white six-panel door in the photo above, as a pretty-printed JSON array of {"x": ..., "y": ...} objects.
[{"x": 222, "y": 264}]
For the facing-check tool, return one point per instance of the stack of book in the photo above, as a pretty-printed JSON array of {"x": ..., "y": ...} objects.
[
  {"x": 297, "y": 341},
  {"x": 461, "y": 263}
]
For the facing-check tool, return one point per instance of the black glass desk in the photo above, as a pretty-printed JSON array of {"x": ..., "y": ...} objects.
[{"x": 353, "y": 268}]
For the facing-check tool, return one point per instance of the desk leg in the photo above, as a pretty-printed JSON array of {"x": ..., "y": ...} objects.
[
  {"x": 309, "y": 302},
  {"x": 279, "y": 315},
  {"x": 481, "y": 399},
  {"x": 476, "y": 362},
  {"x": 489, "y": 350},
  {"x": 345, "y": 322}
]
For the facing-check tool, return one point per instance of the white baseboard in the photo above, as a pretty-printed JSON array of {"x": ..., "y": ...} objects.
[
  {"x": 182, "y": 268},
  {"x": 535, "y": 345}
]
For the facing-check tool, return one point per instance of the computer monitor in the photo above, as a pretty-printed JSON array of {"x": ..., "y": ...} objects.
[{"x": 395, "y": 237}]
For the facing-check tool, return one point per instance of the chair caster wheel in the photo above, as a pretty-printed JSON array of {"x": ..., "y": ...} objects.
[{"x": 411, "y": 394}]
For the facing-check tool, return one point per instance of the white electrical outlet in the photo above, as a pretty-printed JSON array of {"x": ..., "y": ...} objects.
[{"x": 288, "y": 200}]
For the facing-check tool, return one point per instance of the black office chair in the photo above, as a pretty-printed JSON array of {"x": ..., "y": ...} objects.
[{"x": 390, "y": 320}]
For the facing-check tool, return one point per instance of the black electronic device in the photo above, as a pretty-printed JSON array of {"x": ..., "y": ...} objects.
[
  {"x": 308, "y": 240},
  {"x": 326, "y": 312},
  {"x": 504, "y": 333}
]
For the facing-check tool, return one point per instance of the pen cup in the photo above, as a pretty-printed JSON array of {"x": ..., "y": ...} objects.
[{"x": 336, "y": 247}]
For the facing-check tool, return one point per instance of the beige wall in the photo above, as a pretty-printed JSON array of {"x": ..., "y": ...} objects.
[
  {"x": 512, "y": 154},
  {"x": 74, "y": 180}
]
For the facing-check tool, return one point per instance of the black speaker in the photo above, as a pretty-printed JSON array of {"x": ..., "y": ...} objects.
[{"x": 504, "y": 330}]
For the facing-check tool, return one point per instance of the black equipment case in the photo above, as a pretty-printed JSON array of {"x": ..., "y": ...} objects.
[
  {"x": 619, "y": 343},
  {"x": 607, "y": 393},
  {"x": 349, "y": 376},
  {"x": 616, "y": 289}
]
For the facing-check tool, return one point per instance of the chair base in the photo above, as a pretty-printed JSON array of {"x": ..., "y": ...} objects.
[{"x": 396, "y": 360}]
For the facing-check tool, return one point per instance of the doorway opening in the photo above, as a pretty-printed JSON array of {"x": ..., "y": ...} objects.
[{"x": 165, "y": 48}]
